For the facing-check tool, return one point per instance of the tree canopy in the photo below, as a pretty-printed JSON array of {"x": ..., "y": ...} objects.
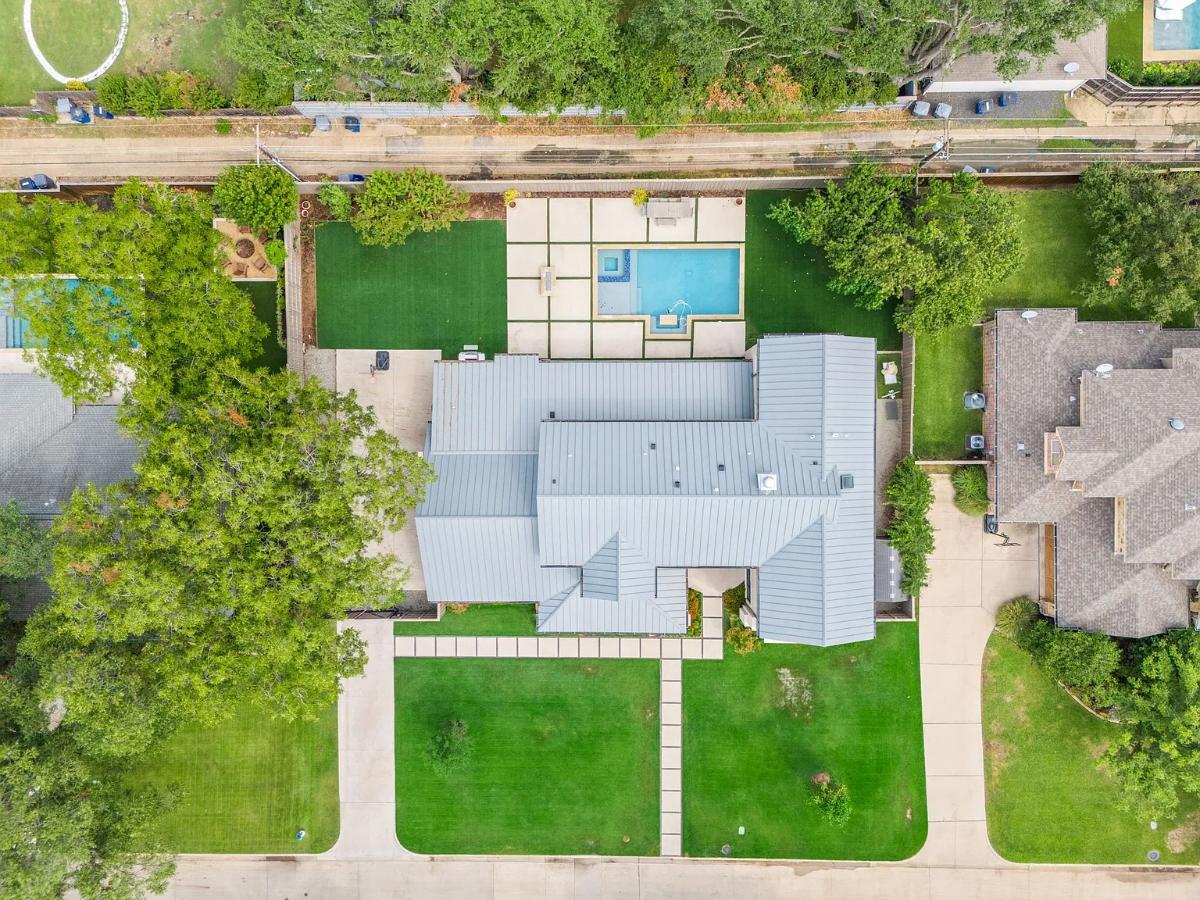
[
  {"x": 261, "y": 197},
  {"x": 1146, "y": 244},
  {"x": 393, "y": 205},
  {"x": 24, "y": 545},
  {"x": 656, "y": 59},
  {"x": 936, "y": 256}
]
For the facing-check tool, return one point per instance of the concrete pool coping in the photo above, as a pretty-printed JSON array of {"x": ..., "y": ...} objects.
[
  {"x": 686, "y": 333},
  {"x": 1149, "y": 53}
]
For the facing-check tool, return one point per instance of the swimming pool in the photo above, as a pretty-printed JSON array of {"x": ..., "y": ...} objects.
[
  {"x": 669, "y": 285},
  {"x": 1179, "y": 34},
  {"x": 14, "y": 331}
]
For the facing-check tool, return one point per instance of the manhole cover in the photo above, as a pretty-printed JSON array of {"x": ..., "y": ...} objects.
[{"x": 726, "y": 850}]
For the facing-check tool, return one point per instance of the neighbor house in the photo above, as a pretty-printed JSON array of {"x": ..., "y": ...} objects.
[
  {"x": 1071, "y": 64},
  {"x": 1094, "y": 430},
  {"x": 592, "y": 487}
]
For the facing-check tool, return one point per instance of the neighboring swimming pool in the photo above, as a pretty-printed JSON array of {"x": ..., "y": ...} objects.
[
  {"x": 1178, "y": 34},
  {"x": 14, "y": 331},
  {"x": 669, "y": 285}
]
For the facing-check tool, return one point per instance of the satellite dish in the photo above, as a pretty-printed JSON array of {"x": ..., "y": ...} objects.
[
  {"x": 1029, "y": 314},
  {"x": 1071, "y": 68},
  {"x": 1176, "y": 423},
  {"x": 1104, "y": 369}
]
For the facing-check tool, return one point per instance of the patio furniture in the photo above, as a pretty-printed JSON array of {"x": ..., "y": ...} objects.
[
  {"x": 668, "y": 320},
  {"x": 261, "y": 264},
  {"x": 245, "y": 229},
  {"x": 660, "y": 208},
  {"x": 890, "y": 372},
  {"x": 471, "y": 353},
  {"x": 239, "y": 271}
]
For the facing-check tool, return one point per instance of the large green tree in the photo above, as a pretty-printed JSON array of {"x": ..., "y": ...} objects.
[
  {"x": 214, "y": 578},
  {"x": 25, "y": 546},
  {"x": 1157, "y": 756},
  {"x": 261, "y": 197},
  {"x": 937, "y": 257},
  {"x": 394, "y": 205},
  {"x": 1146, "y": 240}
]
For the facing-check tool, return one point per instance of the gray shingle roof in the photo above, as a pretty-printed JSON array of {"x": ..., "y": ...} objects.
[
  {"x": 1090, "y": 51},
  {"x": 1045, "y": 375},
  {"x": 607, "y": 443}
]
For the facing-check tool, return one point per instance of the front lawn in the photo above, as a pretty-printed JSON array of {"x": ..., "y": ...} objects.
[
  {"x": 786, "y": 282},
  {"x": 437, "y": 291},
  {"x": 1047, "y": 802},
  {"x": 565, "y": 757},
  {"x": 487, "y": 619},
  {"x": 748, "y": 762},
  {"x": 249, "y": 785}
]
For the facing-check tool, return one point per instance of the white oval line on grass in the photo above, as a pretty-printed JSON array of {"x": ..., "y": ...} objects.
[{"x": 59, "y": 76}]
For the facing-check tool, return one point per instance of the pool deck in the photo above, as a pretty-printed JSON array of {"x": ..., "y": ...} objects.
[
  {"x": 563, "y": 233},
  {"x": 1149, "y": 52}
]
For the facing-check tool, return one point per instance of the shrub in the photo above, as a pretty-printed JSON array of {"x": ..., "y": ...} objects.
[
  {"x": 971, "y": 490},
  {"x": 695, "y": 608},
  {"x": 457, "y": 608},
  {"x": 451, "y": 746},
  {"x": 75, "y": 84},
  {"x": 146, "y": 96},
  {"x": 832, "y": 799},
  {"x": 1083, "y": 660},
  {"x": 511, "y": 195},
  {"x": 223, "y": 126},
  {"x": 733, "y": 600},
  {"x": 639, "y": 196},
  {"x": 1015, "y": 616},
  {"x": 275, "y": 253},
  {"x": 910, "y": 493},
  {"x": 255, "y": 91},
  {"x": 743, "y": 640},
  {"x": 393, "y": 205},
  {"x": 112, "y": 91},
  {"x": 795, "y": 693},
  {"x": 336, "y": 200},
  {"x": 259, "y": 197}
]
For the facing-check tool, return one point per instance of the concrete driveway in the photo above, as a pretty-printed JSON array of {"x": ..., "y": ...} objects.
[
  {"x": 402, "y": 398},
  {"x": 970, "y": 577}
]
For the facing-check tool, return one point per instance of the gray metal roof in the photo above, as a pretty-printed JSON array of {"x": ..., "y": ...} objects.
[{"x": 649, "y": 467}]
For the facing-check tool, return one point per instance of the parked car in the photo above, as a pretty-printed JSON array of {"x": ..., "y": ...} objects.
[
  {"x": 352, "y": 178},
  {"x": 353, "y": 124},
  {"x": 37, "y": 182}
]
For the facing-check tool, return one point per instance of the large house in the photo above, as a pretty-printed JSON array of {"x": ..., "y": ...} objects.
[
  {"x": 592, "y": 487},
  {"x": 1071, "y": 63},
  {"x": 1094, "y": 428}
]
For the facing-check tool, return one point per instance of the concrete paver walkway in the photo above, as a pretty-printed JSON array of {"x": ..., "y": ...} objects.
[
  {"x": 550, "y": 647},
  {"x": 671, "y": 755},
  {"x": 969, "y": 579}
]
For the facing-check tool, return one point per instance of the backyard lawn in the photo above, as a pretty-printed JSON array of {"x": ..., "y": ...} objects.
[
  {"x": 1047, "y": 802},
  {"x": 565, "y": 757},
  {"x": 747, "y": 761},
  {"x": 1125, "y": 36},
  {"x": 163, "y": 35},
  {"x": 786, "y": 284},
  {"x": 437, "y": 291},
  {"x": 249, "y": 785},
  {"x": 263, "y": 295},
  {"x": 486, "y": 619}
]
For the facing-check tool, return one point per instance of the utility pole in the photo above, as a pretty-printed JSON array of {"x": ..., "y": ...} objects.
[{"x": 257, "y": 147}]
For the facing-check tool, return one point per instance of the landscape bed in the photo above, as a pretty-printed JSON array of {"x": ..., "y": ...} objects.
[
  {"x": 748, "y": 762},
  {"x": 565, "y": 757}
]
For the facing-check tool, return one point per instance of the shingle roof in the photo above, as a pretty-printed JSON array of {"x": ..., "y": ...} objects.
[
  {"x": 1045, "y": 375},
  {"x": 1090, "y": 51},
  {"x": 652, "y": 467}
]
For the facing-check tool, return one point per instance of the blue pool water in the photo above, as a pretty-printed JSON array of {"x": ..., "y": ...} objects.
[
  {"x": 14, "y": 331},
  {"x": 669, "y": 281},
  {"x": 1181, "y": 35}
]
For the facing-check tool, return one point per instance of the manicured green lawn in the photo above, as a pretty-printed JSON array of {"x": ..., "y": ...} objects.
[
  {"x": 499, "y": 619},
  {"x": 1047, "y": 802},
  {"x": 786, "y": 284},
  {"x": 946, "y": 366},
  {"x": 1125, "y": 35},
  {"x": 77, "y": 37},
  {"x": 748, "y": 762},
  {"x": 565, "y": 759},
  {"x": 263, "y": 295},
  {"x": 436, "y": 291},
  {"x": 249, "y": 785}
]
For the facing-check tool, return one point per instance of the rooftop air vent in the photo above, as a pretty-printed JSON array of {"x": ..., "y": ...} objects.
[
  {"x": 1105, "y": 370},
  {"x": 1176, "y": 423},
  {"x": 720, "y": 467},
  {"x": 552, "y": 414},
  {"x": 768, "y": 482},
  {"x": 847, "y": 482}
]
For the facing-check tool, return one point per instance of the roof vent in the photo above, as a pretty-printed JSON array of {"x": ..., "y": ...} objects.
[
  {"x": 552, "y": 414},
  {"x": 768, "y": 482},
  {"x": 847, "y": 482},
  {"x": 653, "y": 446},
  {"x": 1104, "y": 370},
  {"x": 676, "y": 484},
  {"x": 1176, "y": 423},
  {"x": 720, "y": 467}
]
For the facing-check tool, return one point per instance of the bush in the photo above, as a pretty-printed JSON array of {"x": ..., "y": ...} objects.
[
  {"x": 260, "y": 197},
  {"x": 275, "y": 253},
  {"x": 971, "y": 490},
  {"x": 1015, "y": 616},
  {"x": 1082, "y": 660},
  {"x": 255, "y": 91},
  {"x": 833, "y": 801},
  {"x": 733, "y": 600},
  {"x": 112, "y": 91},
  {"x": 639, "y": 196},
  {"x": 910, "y": 493},
  {"x": 695, "y": 609},
  {"x": 393, "y": 205},
  {"x": 511, "y": 195},
  {"x": 75, "y": 84},
  {"x": 336, "y": 200},
  {"x": 451, "y": 747},
  {"x": 743, "y": 640},
  {"x": 146, "y": 96},
  {"x": 223, "y": 126}
]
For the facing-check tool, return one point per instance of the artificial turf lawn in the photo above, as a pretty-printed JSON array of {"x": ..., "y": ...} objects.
[
  {"x": 747, "y": 762},
  {"x": 163, "y": 35},
  {"x": 499, "y": 619},
  {"x": 786, "y": 284},
  {"x": 263, "y": 295},
  {"x": 565, "y": 756},
  {"x": 1047, "y": 801},
  {"x": 437, "y": 291},
  {"x": 248, "y": 785}
]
